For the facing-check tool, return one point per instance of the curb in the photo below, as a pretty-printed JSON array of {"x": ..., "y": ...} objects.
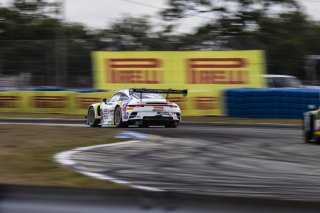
[{"x": 65, "y": 159}]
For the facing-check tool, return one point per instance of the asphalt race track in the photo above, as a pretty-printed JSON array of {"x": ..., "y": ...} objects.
[
  {"x": 248, "y": 161},
  {"x": 235, "y": 161}
]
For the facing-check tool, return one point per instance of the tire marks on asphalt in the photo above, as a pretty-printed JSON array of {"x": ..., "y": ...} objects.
[{"x": 227, "y": 161}]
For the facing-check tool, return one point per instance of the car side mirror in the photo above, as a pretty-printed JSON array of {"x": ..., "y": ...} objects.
[{"x": 104, "y": 100}]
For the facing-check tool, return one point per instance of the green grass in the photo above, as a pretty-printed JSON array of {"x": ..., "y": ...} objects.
[
  {"x": 41, "y": 115},
  {"x": 26, "y": 154}
]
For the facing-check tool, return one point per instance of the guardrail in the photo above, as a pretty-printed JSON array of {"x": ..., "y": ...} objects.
[{"x": 36, "y": 199}]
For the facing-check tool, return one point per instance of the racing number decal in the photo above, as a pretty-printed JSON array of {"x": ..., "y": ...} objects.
[{"x": 105, "y": 114}]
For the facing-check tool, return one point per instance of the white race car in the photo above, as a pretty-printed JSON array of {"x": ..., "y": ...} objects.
[{"x": 142, "y": 107}]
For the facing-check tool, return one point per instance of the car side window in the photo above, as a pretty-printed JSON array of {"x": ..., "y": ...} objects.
[
  {"x": 123, "y": 97},
  {"x": 115, "y": 98}
]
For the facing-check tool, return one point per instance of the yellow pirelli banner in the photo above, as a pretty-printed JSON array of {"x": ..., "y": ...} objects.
[
  {"x": 48, "y": 101},
  {"x": 80, "y": 102},
  {"x": 13, "y": 101},
  {"x": 204, "y": 73},
  {"x": 35, "y": 102}
]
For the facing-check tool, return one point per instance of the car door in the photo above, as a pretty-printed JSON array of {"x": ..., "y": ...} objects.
[{"x": 110, "y": 107}]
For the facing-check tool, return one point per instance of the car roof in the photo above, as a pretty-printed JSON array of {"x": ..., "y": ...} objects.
[{"x": 125, "y": 91}]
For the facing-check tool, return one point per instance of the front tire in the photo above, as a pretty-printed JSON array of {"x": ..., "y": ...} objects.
[{"x": 91, "y": 118}]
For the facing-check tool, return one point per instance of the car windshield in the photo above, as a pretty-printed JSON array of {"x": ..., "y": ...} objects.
[{"x": 147, "y": 95}]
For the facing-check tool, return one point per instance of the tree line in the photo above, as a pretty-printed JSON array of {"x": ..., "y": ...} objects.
[{"x": 34, "y": 39}]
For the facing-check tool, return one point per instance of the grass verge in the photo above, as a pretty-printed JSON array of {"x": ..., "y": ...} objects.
[
  {"x": 26, "y": 154},
  {"x": 40, "y": 115}
]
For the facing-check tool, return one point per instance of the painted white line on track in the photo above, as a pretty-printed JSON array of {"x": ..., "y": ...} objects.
[{"x": 64, "y": 158}]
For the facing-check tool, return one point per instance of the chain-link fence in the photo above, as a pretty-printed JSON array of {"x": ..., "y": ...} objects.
[
  {"x": 67, "y": 62},
  {"x": 29, "y": 63}
]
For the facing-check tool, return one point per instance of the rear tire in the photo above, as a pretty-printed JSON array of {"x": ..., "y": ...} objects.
[
  {"x": 117, "y": 118},
  {"x": 91, "y": 119},
  {"x": 173, "y": 124},
  {"x": 144, "y": 125},
  {"x": 307, "y": 135}
]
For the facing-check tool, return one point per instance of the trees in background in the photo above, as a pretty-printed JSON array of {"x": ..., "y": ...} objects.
[
  {"x": 278, "y": 26},
  {"x": 35, "y": 40}
]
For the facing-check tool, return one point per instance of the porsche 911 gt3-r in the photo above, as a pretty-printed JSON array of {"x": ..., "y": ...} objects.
[{"x": 142, "y": 107}]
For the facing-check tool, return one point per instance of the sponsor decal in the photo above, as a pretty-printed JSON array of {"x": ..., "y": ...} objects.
[
  {"x": 9, "y": 101},
  {"x": 158, "y": 109},
  {"x": 49, "y": 102},
  {"x": 217, "y": 71},
  {"x": 206, "y": 102},
  {"x": 105, "y": 114},
  {"x": 84, "y": 103},
  {"x": 134, "y": 70}
]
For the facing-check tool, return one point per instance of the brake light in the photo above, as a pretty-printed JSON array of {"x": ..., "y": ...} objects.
[{"x": 154, "y": 105}]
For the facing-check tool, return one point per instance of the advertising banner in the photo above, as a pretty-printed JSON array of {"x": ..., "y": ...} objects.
[
  {"x": 12, "y": 102},
  {"x": 49, "y": 102},
  {"x": 80, "y": 102},
  {"x": 204, "y": 73}
]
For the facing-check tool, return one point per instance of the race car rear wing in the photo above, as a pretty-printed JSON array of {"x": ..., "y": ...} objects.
[{"x": 162, "y": 91}]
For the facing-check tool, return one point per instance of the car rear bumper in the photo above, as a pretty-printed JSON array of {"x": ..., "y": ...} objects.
[{"x": 153, "y": 120}]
